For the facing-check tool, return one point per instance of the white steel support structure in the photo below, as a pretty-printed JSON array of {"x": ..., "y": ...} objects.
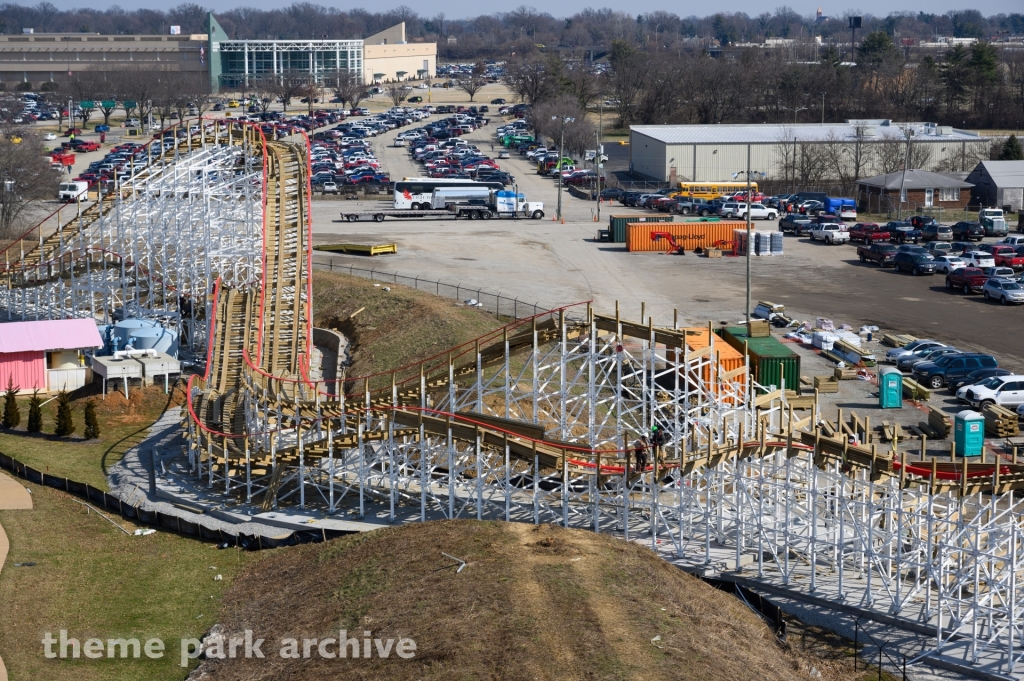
[{"x": 154, "y": 246}]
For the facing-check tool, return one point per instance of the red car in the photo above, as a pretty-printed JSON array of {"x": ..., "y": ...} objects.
[
  {"x": 86, "y": 146},
  {"x": 1007, "y": 256}
]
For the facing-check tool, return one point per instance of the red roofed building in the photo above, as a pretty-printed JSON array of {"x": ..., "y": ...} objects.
[{"x": 46, "y": 355}]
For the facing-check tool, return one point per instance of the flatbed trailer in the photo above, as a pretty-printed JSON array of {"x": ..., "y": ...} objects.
[{"x": 456, "y": 212}]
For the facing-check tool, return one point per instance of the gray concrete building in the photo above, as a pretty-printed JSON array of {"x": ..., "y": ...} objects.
[
  {"x": 798, "y": 152},
  {"x": 998, "y": 184}
]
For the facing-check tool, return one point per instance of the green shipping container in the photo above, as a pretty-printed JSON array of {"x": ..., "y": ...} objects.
[
  {"x": 617, "y": 223},
  {"x": 770, "y": 360}
]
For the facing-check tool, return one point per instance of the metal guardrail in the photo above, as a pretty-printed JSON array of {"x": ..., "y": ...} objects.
[{"x": 504, "y": 307}]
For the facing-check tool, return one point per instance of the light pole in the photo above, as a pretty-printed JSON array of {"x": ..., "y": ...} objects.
[
  {"x": 558, "y": 164},
  {"x": 903, "y": 179},
  {"x": 597, "y": 158},
  {"x": 750, "y": 245}
]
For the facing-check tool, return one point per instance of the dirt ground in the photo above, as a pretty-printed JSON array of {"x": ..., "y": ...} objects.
[{"x": 532, "y": 602}]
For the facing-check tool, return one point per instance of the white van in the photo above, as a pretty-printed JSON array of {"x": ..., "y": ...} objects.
[{"x": 72, "y": 191}]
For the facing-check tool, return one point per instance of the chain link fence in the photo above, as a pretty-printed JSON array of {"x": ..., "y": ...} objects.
[{"x": 501, "y": 306}]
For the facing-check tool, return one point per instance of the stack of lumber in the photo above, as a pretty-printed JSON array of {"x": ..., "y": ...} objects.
[
  {"x": 826, "y": 384},
  {"x": 1000, "y": 421},
  {"x": 940, "y": 422},
  {"x": 897, "y": 340},
  {"x": 845, "y": 374},
  {"x": 915, "y": 390}
]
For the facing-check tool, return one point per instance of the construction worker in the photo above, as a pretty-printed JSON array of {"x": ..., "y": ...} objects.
[
  {"x": 660, "y": 438},
  {"x": 640, "y": 452}
]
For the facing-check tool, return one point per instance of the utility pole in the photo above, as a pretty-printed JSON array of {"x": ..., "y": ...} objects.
[
  {"x": 903, "y": 180},
  {"x": 597, "y": 157},
  {"x": 750, "y": 245},
  {"x": 558, "y": 163}
]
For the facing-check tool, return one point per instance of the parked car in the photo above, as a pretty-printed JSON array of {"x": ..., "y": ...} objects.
[
  {"x": 978, "y": 259},
  {"x": 938, "y": 248},
  {"x": 961, "y": 247},
  {"x": 795, "y": 223},
  {"x": 896, "y": 353},
  {"x": 951, "y": 367},
  {"x": 936, "y": 232},
  {"x": 1006, "y": 292},
  {"x": 830, "y": 233},
  {"x": 868, "y": 232},
  {"x": 910, "y": 361},
  {"x": 1006, "y": 391},
  {"x": 882, "y": 254},
  {"x": 903, "y": 232},
  {"x": 1012, "y": 240},
  {"x": 968, "y": 231},
  {"x": 967, "y": 279},
  {"x": 686, "y": 206},
  {"x": 611, "y": 193},
  {"x": 921, "y": 221},
  {"x": 999, "y": 273},
  {"x": 975, "y": 377},
  {"x": 1006, "y": 255},
  {"x": 915, "y": 263},
  {"x": 948, "y": 263}
]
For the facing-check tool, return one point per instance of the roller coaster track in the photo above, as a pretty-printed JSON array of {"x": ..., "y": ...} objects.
[{"x": 530, "y": 423}]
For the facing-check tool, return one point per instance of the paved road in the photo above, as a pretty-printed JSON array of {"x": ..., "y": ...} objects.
[{"x": 552, "y": 263}]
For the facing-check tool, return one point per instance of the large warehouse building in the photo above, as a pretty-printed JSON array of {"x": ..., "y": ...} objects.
[
  {"x": 38, "y": 58},
  {"x": 701, "y": 153}
]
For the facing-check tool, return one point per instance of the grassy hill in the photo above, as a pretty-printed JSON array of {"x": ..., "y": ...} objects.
[{"x": 533, "y": 602}]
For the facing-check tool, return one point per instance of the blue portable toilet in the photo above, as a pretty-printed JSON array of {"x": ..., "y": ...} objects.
[
  {"x": 969, "y": 433},
  {"x": 890, "y": 388}
]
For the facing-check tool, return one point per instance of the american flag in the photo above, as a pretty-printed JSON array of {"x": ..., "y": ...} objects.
[{"x": 202, "y": 55}]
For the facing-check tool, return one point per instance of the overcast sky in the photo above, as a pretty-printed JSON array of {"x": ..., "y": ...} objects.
[{"x": 470, "y": 8}]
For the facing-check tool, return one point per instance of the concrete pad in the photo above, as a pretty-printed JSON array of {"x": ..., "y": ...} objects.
[{"x": 13, "y": 495}]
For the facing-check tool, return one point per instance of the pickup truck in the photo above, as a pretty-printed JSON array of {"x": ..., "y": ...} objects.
[
  {"x": 882, "y": 254},
  {"x": 966, "y": 279},
  {"x": 903, "y": 232},
  {"x": 869, "y": 233},
  {"x": 696, "y": 206},
  {"x": 830, "y": 233},
  {"x": 1006, "y": 255}
]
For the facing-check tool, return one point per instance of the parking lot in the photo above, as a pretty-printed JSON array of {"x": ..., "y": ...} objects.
[{"x": 553, "y": 263}]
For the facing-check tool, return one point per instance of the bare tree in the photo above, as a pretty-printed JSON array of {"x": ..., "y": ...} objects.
[
  {"x": 397, "y": 92},
  {"x": 262, "y": 90},
  {"x": 548, "y": 119},
  {"x": 473, "y": 81},
  {"x": 533, "y": 78},
  {"x": 289, "y": 85},
  {"x": 348, "y": 87},
  {"x": 25, "y": 177}
]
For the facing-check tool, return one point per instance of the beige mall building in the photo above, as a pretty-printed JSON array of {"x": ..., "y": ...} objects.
[{"x": 37, "y": 58}]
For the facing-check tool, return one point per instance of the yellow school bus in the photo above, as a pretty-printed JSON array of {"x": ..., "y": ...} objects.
[{"x": 712, "y": 190}]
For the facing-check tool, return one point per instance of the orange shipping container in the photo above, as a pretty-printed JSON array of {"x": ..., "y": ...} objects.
[
  {"x": 730, "y": 361},
  {"x": 691, "y": 235}
]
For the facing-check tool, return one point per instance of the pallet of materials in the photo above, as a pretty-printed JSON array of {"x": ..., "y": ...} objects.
[
  {"x": 844, "y": 374},
  {"x": 361, "y": 249},
  {"x": 1000, "y": 421},
  {"x": 915, "y": 390},
  {"x": 897, "y": 340},
  {"x": 826, "y": 384},
  {"x": 940, "y": 422},
  {"x": 852, "y": 354}
]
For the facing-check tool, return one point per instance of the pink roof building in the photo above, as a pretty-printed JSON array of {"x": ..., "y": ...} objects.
[{"x": 46, "y": 355}]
